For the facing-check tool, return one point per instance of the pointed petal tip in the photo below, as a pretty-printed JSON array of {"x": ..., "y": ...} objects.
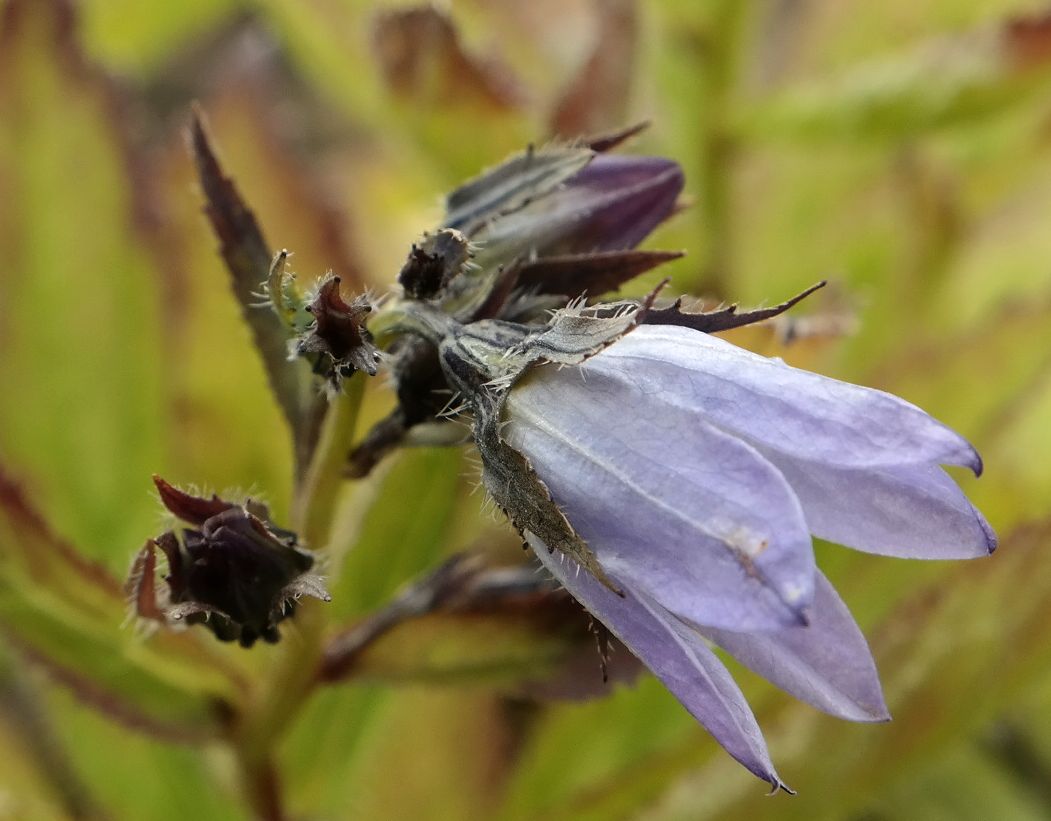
[
  {"x": 991, "y": 540},
  {"x": 871, "y": 714},
  {"x": 777, "y": 786},
  {"x": 975, "y": 463},
  {"x": 766, "y": 772},
  {"x": 983, "y": 542}
]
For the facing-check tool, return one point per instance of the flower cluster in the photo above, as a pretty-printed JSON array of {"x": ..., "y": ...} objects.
[{"x": 670, "y": 481}]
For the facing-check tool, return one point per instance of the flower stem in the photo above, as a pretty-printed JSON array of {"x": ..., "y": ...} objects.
[
  {"x": 316, "y": 495},
  {"x": 263, "y": 789},
  {"x": 293, "y": 675}
]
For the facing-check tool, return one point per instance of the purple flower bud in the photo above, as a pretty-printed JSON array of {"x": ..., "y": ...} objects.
[
  {"x": 619, "y": 200},
  {"x": 696, "y": 472},
  {"x": 612, "y": 204},
  {"x": 233, "y": 571}
]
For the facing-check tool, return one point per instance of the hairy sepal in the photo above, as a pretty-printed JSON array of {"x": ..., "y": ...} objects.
[{"x": 482, "y": 361}]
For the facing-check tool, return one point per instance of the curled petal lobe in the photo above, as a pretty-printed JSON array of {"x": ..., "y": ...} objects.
[
  {"x": 911, "y": 511},
  {"x": 826, "y": 664},
  {"x": 693, "y": 517},
  {"x": 678, "y": 656},
  {"x": 780, "y": 408}
]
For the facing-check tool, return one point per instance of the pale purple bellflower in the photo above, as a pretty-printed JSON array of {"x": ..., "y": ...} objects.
[
  {"x": 670, "y": 480},
  {"x": 696, "y": 473}
]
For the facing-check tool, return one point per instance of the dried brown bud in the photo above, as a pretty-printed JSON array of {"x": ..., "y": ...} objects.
[
  {"x": 234, "y": 571},
  {"x": 338, "y": 337},
  {"x": 433, "y": 262}
]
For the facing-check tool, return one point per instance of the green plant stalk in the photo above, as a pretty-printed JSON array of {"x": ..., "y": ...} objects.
[
  {"x": 262, "y": 786},
  {"x": 717, "y": 72},
  {"x": 316, "y": 495},
  {"x": 292, "y": 678}
]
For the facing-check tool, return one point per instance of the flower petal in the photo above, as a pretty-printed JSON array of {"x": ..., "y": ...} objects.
[
  {"x": 685, "y": 664},
  {"x": 624, "y": 198},
  {"x": 692, "y": 516},
  {"x": 800, "y": 414},
  {"x": 827, "y": 663},
  {"x": 612, "y": 204},
  {"x": 912, "y": 512}
]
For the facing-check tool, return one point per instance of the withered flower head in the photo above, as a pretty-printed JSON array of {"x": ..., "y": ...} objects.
[
  {"x": 232, "y": 571},
  {"x": 338, "y": 336},
  {"x": 433, "y": 262}
]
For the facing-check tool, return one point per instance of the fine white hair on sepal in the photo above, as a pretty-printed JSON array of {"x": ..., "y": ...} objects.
[
  {"x": 455, "y": 407},
  {"x": 502, "y": 382}
]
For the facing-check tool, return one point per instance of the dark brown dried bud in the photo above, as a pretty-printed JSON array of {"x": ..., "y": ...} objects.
[
  {"x": 338, "y": 336},
  {"x": 235, "y": 572},
  {"x": 433, "y": 262}
]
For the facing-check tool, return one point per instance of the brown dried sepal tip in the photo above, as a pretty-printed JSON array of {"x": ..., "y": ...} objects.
[
  {"x": 233, "y": 571},
  {"x": 433, "y": 262},
  {"x": 338, "y": 336},
  {"x": 717, "y": 321}
]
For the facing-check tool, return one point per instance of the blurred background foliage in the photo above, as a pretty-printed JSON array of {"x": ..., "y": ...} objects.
[{"x": 901, "y": 149}]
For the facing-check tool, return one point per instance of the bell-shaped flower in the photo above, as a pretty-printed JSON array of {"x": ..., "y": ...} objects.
[{"x": 697, "y": 472}]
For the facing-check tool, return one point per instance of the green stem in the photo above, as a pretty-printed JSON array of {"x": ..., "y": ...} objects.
[
  {"x": 263, "y": 789},
  {"x": 316, "y": 495},
  {"x": 293, "y": 676},
  {"x": 718, "y": 73}
]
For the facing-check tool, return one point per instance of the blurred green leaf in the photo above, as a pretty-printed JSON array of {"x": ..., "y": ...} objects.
[
  {"x": 131, "y": 37},
  {"x": 369, "y": 752},
  {"x": 964, "y": 784},
  {"x": 382, "y": 545},
  {"x": 450, "y": 649},
  {"x": 136, "y": 776},
  {"x": 65, "y": 614},
  {"x": 78, "y": 300},
  {"x": 474, "y": 622},
  {"x": 955, "y": 80},
  {"x": 612, "y": 740}
]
